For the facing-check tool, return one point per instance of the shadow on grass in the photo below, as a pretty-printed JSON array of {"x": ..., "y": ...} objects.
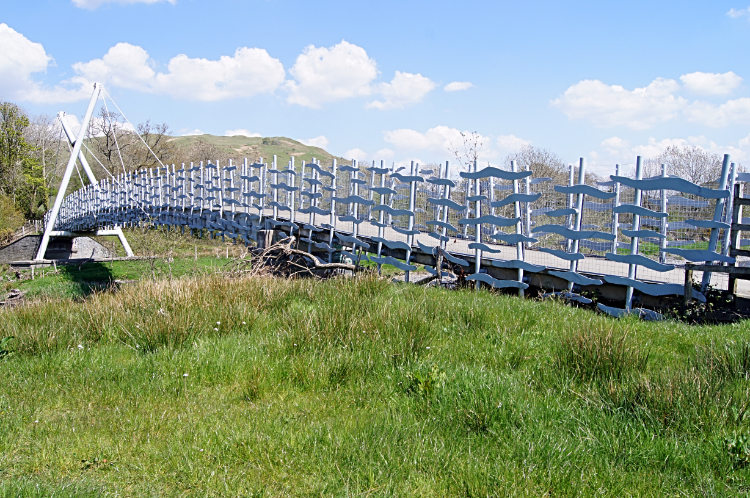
[{"x": 88, "y": 277}]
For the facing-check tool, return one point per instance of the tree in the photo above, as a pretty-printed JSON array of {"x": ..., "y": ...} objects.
[
  {"x": 158, "y": 140},
  {"x": 118, "y": 146},
  {"x": 202, "y": 150},
  {"x": 470, "y": 153},
  {"x": 111, "y": 141},
  {"x": 13, "y": 147},
  {"x": 689, "y": 162},
  {"x": 44, "y": 134},
  {"x": 542, "y": 162}
]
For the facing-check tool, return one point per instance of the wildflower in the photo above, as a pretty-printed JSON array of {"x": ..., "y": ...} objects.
[
  {"x": 218, "y": 323},
  {"x": 243, "y": 323},
  {"x": 80, "y": 346},
  {"x": 184, "y": 375},
  {"x": 216, "y": 329}
]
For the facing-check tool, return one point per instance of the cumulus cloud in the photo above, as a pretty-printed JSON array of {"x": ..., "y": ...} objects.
[
  {"x": 511, "y": 143},
  {"x": 320, "y": 75},
  {"x": 93, "y": 4},
  {"x": 711, "y": 83},
  {"x": 616, "y": 150},
  {"x": 20, "y": 58},
  {"x": 404, "y": 89},
  {"x": 241, "y": 132},
  {"x": 321, "y": 141},
  {"x": 735, "y": 111},
  {"x": 249, "y": 72},
  {"x": 324, "y": 75},
  {"x": 384, "y": 154},
  {"x": 612, "y": 105},
  {"x": 438, "y": 141},
  {"x": 357, "y": 154},
  {"x": 642, "y": 108},
  {"x": 456, "y": 86}
]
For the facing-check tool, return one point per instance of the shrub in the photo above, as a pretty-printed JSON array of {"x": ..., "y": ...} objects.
[{"x": 11, "y": 219}]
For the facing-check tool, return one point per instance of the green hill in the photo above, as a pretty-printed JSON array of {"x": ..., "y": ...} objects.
[{"x": 238, "y": 147}]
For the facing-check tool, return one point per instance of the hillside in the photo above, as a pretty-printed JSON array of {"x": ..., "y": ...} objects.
[{"x": 239, "y": 147}]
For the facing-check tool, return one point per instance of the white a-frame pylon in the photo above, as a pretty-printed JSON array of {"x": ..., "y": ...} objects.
[{"x": 76, "y": 154}]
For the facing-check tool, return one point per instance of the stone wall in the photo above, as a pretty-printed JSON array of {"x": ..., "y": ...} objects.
[{"x": 24, "y": 249}]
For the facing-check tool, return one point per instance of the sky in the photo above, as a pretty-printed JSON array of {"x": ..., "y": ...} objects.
[{"x": 399, "y": 80}]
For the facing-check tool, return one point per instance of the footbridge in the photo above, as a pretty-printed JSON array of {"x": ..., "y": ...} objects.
[{"x": 627, "y": 237}]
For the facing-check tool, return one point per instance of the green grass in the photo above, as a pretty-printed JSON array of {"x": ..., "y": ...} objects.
[
  {"x": 360, "y": 387},
  {"x": 76, "y": 282}
]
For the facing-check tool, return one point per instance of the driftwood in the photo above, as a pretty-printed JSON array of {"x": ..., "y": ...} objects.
[{"x": 282, "y": 258}]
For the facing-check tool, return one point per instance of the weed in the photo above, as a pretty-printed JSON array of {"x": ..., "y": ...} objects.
[
  {"x": 425, "y": 383},
  {"x": 738, "y": 447},
  {"x": 600, "y": 355},
  {"x": 4, "y": 345}
]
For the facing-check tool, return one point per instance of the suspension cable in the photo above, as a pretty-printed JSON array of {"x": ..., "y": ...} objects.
[
  {"x": 114, "y": 133},
  {"x": 131, "y": 124}
]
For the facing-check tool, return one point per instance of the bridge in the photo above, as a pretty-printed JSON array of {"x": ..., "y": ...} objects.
[{"x": 628, "y": 238}]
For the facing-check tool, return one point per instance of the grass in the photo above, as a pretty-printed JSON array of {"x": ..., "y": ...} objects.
[{"x": 362, "y": 387}]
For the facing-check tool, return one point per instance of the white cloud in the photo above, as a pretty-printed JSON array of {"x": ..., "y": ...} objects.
[
  {"x": 438, "y": 141},
  {"x": 324, "y": 75},
  {"x": 404, "y": 89},
  {"x": 384, "y": 154},
  {"x": 615, "y": 143},
  {"x": 711, "y": 83},
  {"x": 739, "y": 13},
  {"x": 124, "y": 65},
  {"x": 511, "y": 143},
  {"x": 240, "y": 132},
  {"x": 731, "y": 112},
  {"x": 194, "y": 132},
  {"x": 249, "y": 72},
  {"x": 93, "y": 4},
  {"x": 19, "y": 59},
  {"x": 456, "y": 86},
  {"x": 616, "y": 150},
  {"x": 321, "y": 141},
  {"x": 357, "y": 154},
  {"x": 612, "y": 105}
]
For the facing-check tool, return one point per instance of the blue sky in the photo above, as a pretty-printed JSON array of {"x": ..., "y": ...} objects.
[{"x": 399, "y": 80}]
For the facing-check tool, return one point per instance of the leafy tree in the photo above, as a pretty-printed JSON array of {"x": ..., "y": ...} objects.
[
  {"x": 14, "y": 148},
  {"x": 11, "y": 218}
]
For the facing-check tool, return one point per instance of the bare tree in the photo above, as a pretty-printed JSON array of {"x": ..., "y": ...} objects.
[
  {"x": 543, "y": 162},
  {"x": 689, "y": 162},
  {"x": 201, "y": 150},
  {"x": 45, "y": 135},
  {"x": 111, "y": 141},
  {"x": 162, "y": 148},
  {"x": 470, "y": 150}
]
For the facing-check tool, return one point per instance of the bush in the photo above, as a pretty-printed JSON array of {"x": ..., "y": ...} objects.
[{"x": 11, "y": 219}]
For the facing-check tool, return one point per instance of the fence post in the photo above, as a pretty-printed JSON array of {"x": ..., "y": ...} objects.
[
  {"x": 634, "y": 240},
  {"x": 718, "y": 211}
]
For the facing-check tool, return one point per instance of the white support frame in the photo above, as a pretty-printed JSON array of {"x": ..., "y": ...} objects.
[{"x": 76, "y": 154}]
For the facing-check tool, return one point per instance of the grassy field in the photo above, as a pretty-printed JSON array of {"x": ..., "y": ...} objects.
[{"x": 204, "y": 385}]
